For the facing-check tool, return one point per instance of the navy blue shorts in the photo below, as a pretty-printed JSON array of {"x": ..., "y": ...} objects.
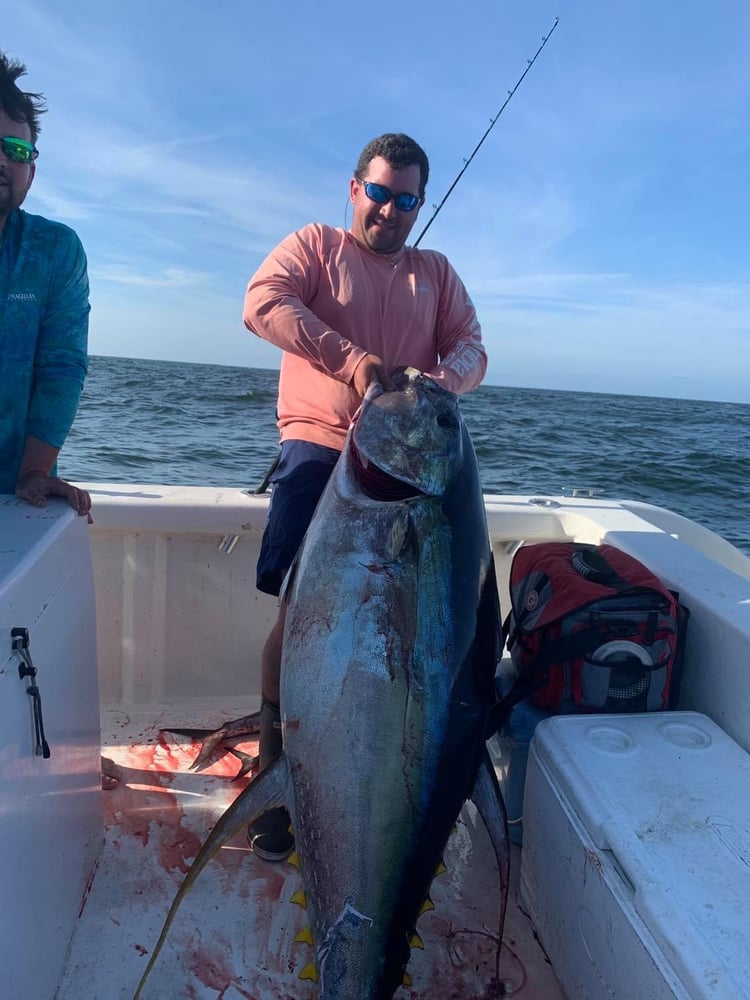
[{"x": 298, "y": 482}]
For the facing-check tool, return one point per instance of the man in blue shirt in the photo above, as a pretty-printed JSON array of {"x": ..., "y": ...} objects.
[{"x": 44, "y": 308}]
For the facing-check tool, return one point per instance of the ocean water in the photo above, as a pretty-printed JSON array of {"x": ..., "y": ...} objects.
[{"x": 175, "y": 423}]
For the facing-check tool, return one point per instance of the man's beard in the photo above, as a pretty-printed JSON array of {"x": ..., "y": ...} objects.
[
  {"x": 9, "y": 197},
  {"x": 383, "y": 239}
]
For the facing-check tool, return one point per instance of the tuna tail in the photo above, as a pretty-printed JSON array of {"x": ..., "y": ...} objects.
[
  {"x": 212, "y": 739},
  {"x": 263, "y": 793},
  {"x": 488, "y": 799},
  {"x": 247, "y": 762}
]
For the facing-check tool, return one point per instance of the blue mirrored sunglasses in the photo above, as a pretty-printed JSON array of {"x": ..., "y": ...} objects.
[
  {"x": 381, "y": 195},
  {"x": 18, "y": 150}
]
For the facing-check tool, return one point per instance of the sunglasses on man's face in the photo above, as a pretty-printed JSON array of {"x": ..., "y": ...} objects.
[
  {"x": 381, "y": 195},
  {"x": 18, "y": 150}
]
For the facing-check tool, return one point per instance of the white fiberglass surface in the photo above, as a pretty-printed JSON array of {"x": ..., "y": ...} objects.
[{"x": 234, "y": 936}]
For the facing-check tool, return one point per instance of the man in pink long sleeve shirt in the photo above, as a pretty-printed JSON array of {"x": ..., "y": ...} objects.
[{"x": 346, "y": 308}]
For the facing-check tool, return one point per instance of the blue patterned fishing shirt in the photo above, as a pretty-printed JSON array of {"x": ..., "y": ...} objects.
[{"x": 44, "y": 318}]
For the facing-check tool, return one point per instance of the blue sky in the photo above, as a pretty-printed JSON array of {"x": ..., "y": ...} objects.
[{"x": 602, "y": 228}]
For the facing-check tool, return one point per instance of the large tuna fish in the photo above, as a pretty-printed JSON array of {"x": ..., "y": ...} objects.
[{"x": 390, "y": 649}]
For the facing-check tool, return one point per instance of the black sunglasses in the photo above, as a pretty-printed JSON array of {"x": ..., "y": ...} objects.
[
  {"x": 381, "y": 195},
  {"x": 18, "y": 150}
]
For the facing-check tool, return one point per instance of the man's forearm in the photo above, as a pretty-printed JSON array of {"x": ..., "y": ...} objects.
[{"x": 38, "y": 456}]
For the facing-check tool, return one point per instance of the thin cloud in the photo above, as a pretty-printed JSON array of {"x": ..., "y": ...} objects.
[{"x": 168, "y": 278}]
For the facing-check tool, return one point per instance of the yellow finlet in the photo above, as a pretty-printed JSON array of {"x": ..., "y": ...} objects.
[
  {"x": 441, "y": 868},
  {"x": 293, "y": 859},
  {"x": 415, "y": 941},
  {"x": 406, "y": 981},
  {"x": 309, "y": 972},
  {"x": 300, "y": 898},
  {"x": 305, "y": 936},
  {"x": 427, "y": 905}
]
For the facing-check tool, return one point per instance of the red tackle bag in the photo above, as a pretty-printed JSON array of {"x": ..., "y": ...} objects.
[{"x": 591, "y": 629}]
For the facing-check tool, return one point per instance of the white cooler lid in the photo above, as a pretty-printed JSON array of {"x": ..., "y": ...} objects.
[{"x": 668, "y": 794}]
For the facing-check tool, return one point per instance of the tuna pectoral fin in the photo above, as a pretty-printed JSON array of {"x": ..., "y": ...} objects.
[
  {"x": 263, "y": 793},
  {"x": 488, "y": 799}
]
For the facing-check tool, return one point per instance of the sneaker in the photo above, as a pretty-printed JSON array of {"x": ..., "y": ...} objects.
[{"x": 270, "y": 837}]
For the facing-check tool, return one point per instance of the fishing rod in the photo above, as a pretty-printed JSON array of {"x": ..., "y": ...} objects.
[{"x": 545, "y": 39}]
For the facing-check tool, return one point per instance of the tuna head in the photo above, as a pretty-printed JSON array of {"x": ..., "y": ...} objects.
[{"x": 412, "y": 435}]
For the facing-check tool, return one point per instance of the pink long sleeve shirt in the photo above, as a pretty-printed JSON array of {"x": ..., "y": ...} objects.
[{"x": 327, "y": 301}]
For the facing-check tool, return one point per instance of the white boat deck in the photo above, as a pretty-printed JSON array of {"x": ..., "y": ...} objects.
[
  {"x": 179, "y": 629},
  {"x": 233, "y": 938}
]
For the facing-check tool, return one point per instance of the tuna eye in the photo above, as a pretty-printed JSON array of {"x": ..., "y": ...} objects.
[{"x": 447, "y": 420}]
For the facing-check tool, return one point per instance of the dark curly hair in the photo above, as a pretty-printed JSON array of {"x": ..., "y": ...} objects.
[
  {"x": 16, "y": 103},
  {"x": 399, "y": 151}
]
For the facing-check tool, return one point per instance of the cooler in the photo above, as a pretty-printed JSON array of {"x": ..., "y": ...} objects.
[
  {"x": 51, "y": 826},
  {"x": 636, "y": 858}
]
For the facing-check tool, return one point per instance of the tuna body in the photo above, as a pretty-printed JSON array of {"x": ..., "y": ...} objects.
[{"x": 390, "y": 648}]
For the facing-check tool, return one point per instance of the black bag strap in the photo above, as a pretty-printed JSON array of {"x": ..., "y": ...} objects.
[
  {"x": 683, "y": 616},
  {"x": 588, "y": 561},
  {"x": 562, "y": 650},
  {"x": 506, "y": 631},
  {"x": 500, "y": 711},
  {"x": 536, "y": 672}
]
